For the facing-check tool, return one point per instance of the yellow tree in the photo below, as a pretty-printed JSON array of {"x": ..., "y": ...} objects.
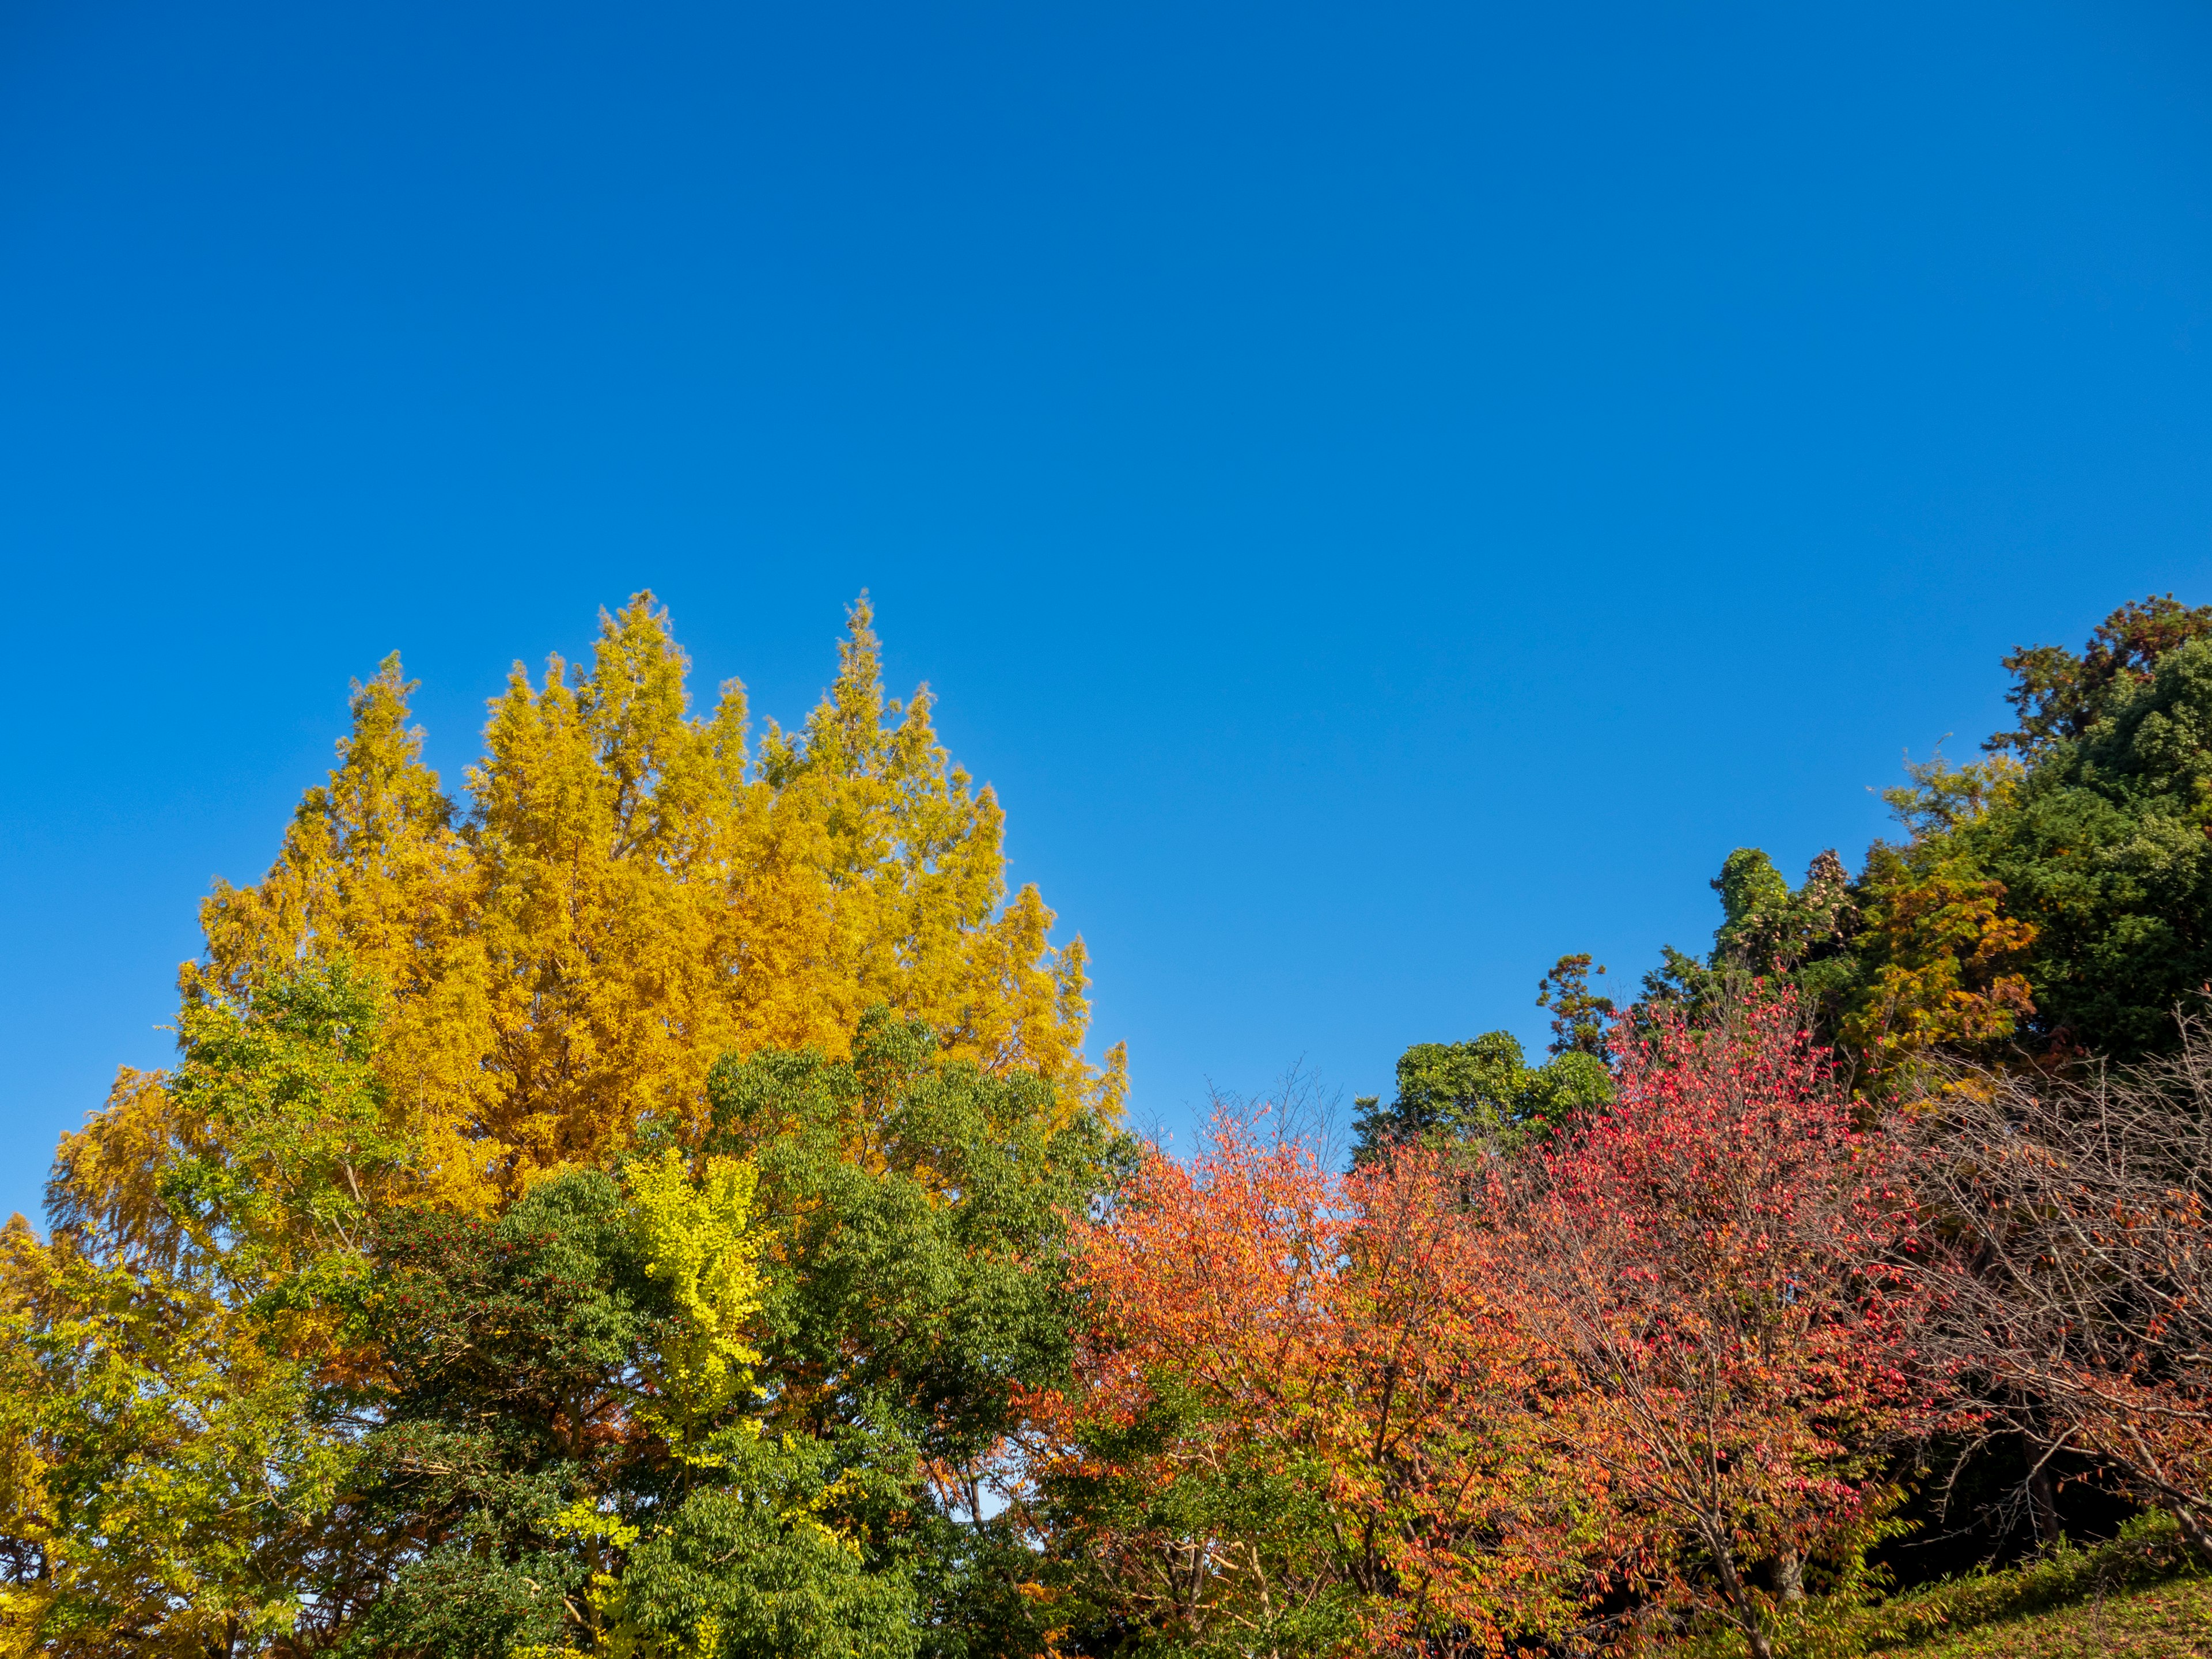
[
  {"x": 1942, "y": 956},
  {"x": 423, "y": 1005},
  {"x": 629, "y": 896}
]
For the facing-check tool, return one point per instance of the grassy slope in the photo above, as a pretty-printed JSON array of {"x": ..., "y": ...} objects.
[
  {"x": 2172, "y": 1620},
  {"x": 2138, "y": 1596}
]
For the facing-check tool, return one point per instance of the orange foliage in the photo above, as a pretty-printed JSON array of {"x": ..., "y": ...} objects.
[{"x": 1302, "y": 1416}]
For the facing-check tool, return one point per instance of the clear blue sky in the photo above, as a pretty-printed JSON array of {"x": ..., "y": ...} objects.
[{"x": 1389, "y": 494}]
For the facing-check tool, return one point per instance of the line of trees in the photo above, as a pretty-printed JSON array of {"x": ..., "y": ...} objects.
[{"x": 663, "y": 1209}]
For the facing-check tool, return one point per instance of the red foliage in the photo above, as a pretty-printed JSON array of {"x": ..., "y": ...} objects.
[
  {"x": 1716, "y": 1262},
  {"x": 1462, "y": 1398}
]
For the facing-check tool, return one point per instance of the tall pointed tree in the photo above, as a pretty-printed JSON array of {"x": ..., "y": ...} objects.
[{"x": 628, "y": 897}]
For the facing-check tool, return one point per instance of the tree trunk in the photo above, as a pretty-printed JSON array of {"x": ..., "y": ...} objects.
[
  {"x": 1746, "y": 1612},
  {"x": 2042, "y": 1499},
  {"x": 2193, "y": 1532},
  {"x": 1790, "y": 1576}
]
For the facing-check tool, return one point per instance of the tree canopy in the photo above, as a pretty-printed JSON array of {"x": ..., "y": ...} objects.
[{"x": 658, "y": 1206}]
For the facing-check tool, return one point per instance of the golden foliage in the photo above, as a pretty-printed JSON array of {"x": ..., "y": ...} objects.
[
  {"x": 1948, "y": 937},
  {"x": 628, "y": 897},
  {"x": 1944, "y": 952},
  {"x": 701, "y": 1240}
]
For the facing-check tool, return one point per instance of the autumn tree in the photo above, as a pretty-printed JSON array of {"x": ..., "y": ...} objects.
[
  {"x": 1301, "y": 1421},
  {"x": 1712, "y": 1263},
  {"x": 628, "y": 894},
  {"x": 456, "y": 1049},
  {"x": 2071, "y": 1267}
]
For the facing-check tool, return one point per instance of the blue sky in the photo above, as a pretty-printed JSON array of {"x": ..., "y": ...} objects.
[{"x": 1389, "y": 494}]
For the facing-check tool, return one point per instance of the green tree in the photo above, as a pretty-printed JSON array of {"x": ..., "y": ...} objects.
[
  {"x": 2054, "y": 899},
  {"x": 1478, "y": 1092},
  {"x": 919, "y": 1293},
  {"x": 168, "y": 1364},
  {"x": 2058, "y": 696},
  {"x": 552, "y": 1460},
  {"x": 2102, "y": 850},
  {"x": 1579, "y": 1015},
  {"x": 1770, "y": 930},
  {"x": 751, "y": 1396},
  {"x": 159, "y": 1464}
]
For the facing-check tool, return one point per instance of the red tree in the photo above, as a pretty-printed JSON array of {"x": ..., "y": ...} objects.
[{"x": 1714, "y": 1262}]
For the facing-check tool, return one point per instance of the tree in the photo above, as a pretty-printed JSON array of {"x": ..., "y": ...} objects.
[
  {"x": 426, "y": 1239},
  {"x": 1806, "y": 936},
  {"x": 1301, "y": 1423},
  {"x": 570, "y": 1423},
  {"x": 2072, "y": 1272},
  {"x": 2063, "y": 906},
  {"x": 2058, "y": 697},
  {"x": 922, "y": 1211},
  {"x": 159, "y": 1466},
  {"x": 628, "y": 897},
  {"x": 167, "y": 1351},
  {"x": 1713, "y": 1262},
  {"x": 1481, "y": 1092},
  {"x": 1579, "y": 1015},
  {"x": 1940, "y": 959},
  {"x": 2051, "y": 900},
  {"x": 253, "y": 1169},
  {"x": 752, "y": 1398},
  {"x": 2103, "y": 850}
]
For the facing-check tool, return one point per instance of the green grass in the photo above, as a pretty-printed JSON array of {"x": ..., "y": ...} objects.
[
  {"x": 2172, "y": 1620},
  {"x": 2139, "y": 1596}
]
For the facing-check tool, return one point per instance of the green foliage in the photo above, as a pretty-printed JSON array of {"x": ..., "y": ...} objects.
[
  {"x": 1264, "y": 1508},
  {"x": 919, "y": 1288},
  {"x": 751, "y": 1402},
  {"x": 748, "y": 1566},
  {"x": 1770, "y": 931},
  {"x": 1579, "y": 1014},
  {"x": 2058, "y": 697},
  {"x": 290, "y": 1138},
  {"x": 2102, "y": 849},
  {"x": 2059, "y": 895},
  {"x": 519, "y": 1489},
  {"x": 1475, "y": 1092},
  {"x": 1567, "y": 1084},
  {"x": 2148, "y": 1551},
  {"x": 2065, "y": 904},
  {"x": 157, "y": 1465},
  {"x": 170, "y": 1435},
  {"x": 253, "y": 1168}
]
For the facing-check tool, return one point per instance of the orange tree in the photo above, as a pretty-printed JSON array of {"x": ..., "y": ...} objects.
[{"x": 1301, "y": 1421}]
